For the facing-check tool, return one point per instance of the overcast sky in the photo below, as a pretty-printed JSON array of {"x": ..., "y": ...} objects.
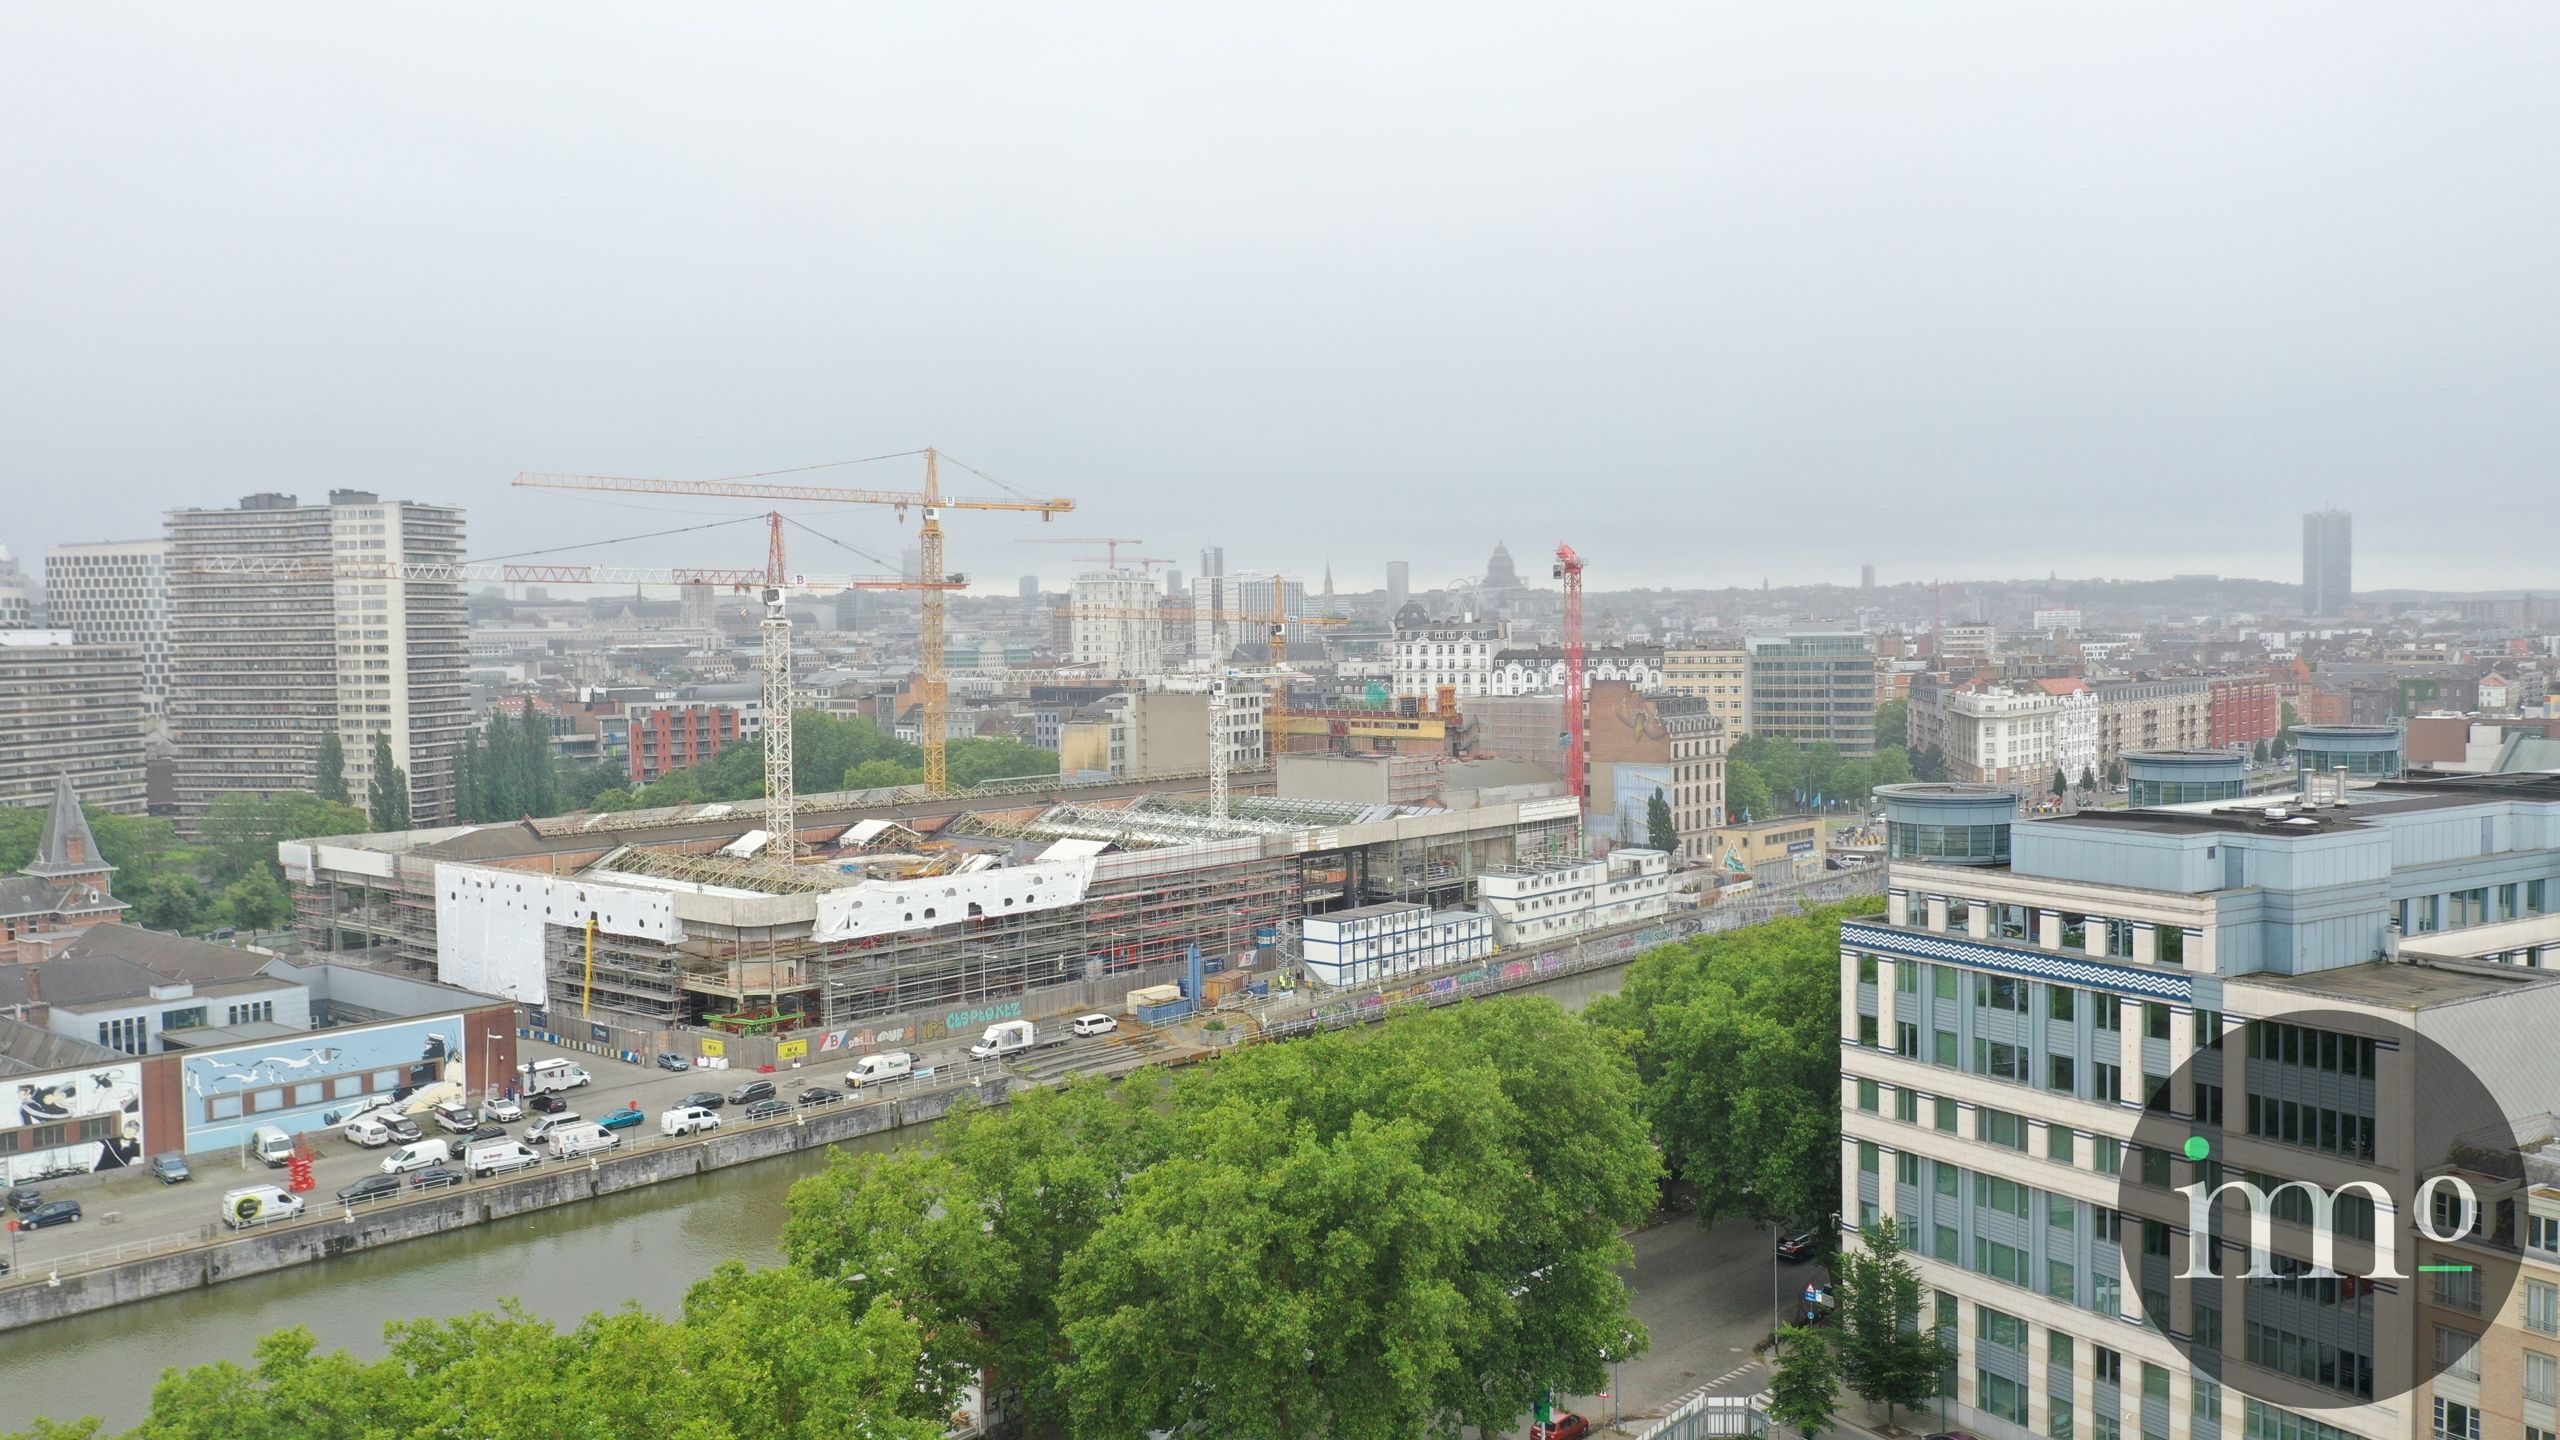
[{"x": 1710, "y": 291}]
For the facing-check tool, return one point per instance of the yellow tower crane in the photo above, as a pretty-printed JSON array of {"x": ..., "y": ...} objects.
[{"x": 932, "y": 581}]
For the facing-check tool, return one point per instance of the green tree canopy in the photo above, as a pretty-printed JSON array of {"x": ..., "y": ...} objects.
[
  {"x": 1887, "y": 1353},
  {"x": 390, "y": 791},
  {"x": 332, "y": 785},
  {"x": 1660, "y": 830},
  {"x": 1804, "y": 1393},
  {"x": 238, "y": 832}
]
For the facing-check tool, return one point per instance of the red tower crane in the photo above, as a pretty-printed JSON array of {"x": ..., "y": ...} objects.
[{"x": 1569, "y": 570}]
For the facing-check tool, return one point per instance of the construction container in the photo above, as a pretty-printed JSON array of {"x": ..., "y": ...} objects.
[
  {"x": 1163, "y": 1012},
  {"x": 1153, "y": 995}
]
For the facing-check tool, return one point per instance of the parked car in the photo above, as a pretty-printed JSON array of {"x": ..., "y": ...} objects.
[
  {"x": 369, "y": 1189},
  {"x": 769, "y": 1108},
  {"x": 403, "y": 1129},
  {"x": 751, "y": 1092},
  {"x": 435, "y": 1177},
  {"x": 1096, "y": 1023},
  {"x": 1566, "y": 1426},
  {"x": 1799, "y": 1246},
  {"x": 456, "y": 1119},
  {"x": 21, "y": 1199},
  {"x": 622, "y": 1119},
  {"x": 170, "y": 1169},
  {"x": 672, "y": 1061},
  {"x": 540, "y": 1130},
  {"x": 701, "y": 1100},
  {"x": 51, "y": 1212},
  {"x": 548, "y": 1103},
  {"x": 688, "y": 1120},
  {"x": 480, "y": 1133},
  {"x": 819, "y": 1095},
  {"x": 503, "y": 1108}
]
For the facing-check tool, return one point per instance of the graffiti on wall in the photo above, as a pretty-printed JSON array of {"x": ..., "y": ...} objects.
[
  {"x": 296, "y": 1083},
  {"x": 72, "y": 1122}
]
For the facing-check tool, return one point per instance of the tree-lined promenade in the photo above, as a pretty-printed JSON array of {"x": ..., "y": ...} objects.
[{"x": 1408, "y": 1229}]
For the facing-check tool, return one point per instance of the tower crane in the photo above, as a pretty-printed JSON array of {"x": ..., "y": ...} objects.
[
  {"x": 771, "y": 585},
  {"x": 933, "y": 580},
  {"x": 1576, "y": 703},
  {"x": 1110, "y": 547}
]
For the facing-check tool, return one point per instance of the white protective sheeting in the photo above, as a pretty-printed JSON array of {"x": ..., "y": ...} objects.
[
  {"x": 887, "y": 907},
  {"x": 490, "y": 924}
]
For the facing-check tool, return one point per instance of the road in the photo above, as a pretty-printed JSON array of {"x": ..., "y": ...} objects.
[
  {"x": 126, "y": 1208},
  {"x": 1693, "y": 1289}
]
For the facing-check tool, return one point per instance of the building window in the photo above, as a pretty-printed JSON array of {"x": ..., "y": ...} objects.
[
  {"x": 2541, "y": 1377},
  {"x": 2542, "y": 1307},
  {"x": 2169, "y": 945},
  {"x": 2457, "y": 1353},
  {"x": 2542, "y": 1232},
  {"x": 2456, "y": 1421},
  {"x": 2058, "y": 1143},
  {"x": 1946, "y": 1115}
]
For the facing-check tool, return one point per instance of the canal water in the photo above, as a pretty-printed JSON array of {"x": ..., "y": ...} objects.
[{"x": 644, "y": 1246}]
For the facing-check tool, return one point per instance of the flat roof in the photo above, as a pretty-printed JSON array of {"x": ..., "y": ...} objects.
[{"x": 2400, "y": 985}]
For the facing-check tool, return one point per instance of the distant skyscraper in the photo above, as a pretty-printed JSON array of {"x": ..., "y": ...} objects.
[
  {"x": 1173, "y": 579},
  {"x": 1399, "y": 585},
  {"x": 115, "y": 592},
  {"x": 1030, "y": 587},
  {"x": 262, "y": 665},
  {"x": 17, "y": 607},
  {"x": 1498, "y": 571},
  {"x": 1866, "y": 577},
  {"x": 2328, "y": 562},
  {"x": 1213, "y": 561}
]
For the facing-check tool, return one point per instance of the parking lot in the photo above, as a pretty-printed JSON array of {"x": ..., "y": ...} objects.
[{"x": 127, "y": 1213}]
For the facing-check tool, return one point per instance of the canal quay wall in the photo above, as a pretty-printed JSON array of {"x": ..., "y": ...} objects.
[{"x": 190, "y": 1262}]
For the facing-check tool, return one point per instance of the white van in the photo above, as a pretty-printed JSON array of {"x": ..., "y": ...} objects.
[
  {"x": 873, "y": 1069},
  {"x": 368, "y": 1131},
  {"x": 687, "y": 1120},
  {"x": 416, "y": 1155},
  {"x": 554, "y": 1074},
  {"x": 571, "y": 1141},
  {"x": 498, "y": 1157},
  {"x": 1096, "y": 1023},
  {"x": 543, "y": 1126},
  {"x": 273, "y": 1146},
  {"x": 259, "y": 1205}
]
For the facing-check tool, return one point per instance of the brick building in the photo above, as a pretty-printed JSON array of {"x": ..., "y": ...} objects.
[
  {"x": 676, "y": 736},
  {"x": 2245, "y": 710}
]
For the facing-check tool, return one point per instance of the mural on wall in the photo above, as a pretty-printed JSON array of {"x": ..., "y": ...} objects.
[
  {"x": 99, "y": 1108},
  {"x": 296, "y": 1084}
]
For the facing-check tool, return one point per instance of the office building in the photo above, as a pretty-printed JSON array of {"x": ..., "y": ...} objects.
[
  {"x": 287, "y": 621},
  {"x": 1813, "y": 687},
  {"x": 17, "y": 599},
  {"x": 1866, "y": 577},
  {"x": 1028, "y": 589},
  {"x": 1399, "y": 585},
  {"x": 1213, "y": 561},
  {"x": 1718, "y": 672},
  {"x": 1999, "y": 736},
  {"x": 71, "y": 712},
  {"x": 115, "y": 592},
  {"x": 2328, "y": 562},
  {"x": 1452, "y": 654},
  {"x": 2055, "y": 1023},
  {"x": 2152, "y": 715},
  {"x": 1697, "y": 774}
]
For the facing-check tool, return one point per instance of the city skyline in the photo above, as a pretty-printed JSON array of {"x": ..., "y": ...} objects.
[{"x": 1806, "y": 284}]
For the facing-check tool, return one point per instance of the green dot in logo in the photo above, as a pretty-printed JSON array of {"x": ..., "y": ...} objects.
[{"x": 2198, "y": 1147}]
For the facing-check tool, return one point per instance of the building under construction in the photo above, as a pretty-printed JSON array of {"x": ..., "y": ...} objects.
[{"x": 684, "y": 918}]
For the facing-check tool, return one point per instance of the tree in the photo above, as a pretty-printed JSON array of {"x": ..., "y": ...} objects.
[
  {"x": 1746, "y": 794},
  {"x": 2088, "y": 778},
  {"x": 174, "y": 901},
  {"x": 256, "y": 901},
  {"x": 2264, "y": 752},
  {"x": 881, "y": 775},
  {"x": 976, "y": 761},
  {"x": 1887, "y": 1354},
  {"x": 1737, "y": 1051},
  {"x": 1804, "y": 1393},
  {"x": 390, "y": 795},
  {"x": 1660, "y": 829},
  {"x": 332, "y": 784},
  {"x": 238, "y": 831},
  {"x": 2115, "y": 772},
  {"x": 1893, "y": 767},
  {"x": 1893, "y": 724},
  {"x": 1928, "y": 765},
  {"x": 2061, "y": 782}
]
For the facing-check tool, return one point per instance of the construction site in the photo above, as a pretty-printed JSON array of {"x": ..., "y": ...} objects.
[{"x": 693, "y": 920}]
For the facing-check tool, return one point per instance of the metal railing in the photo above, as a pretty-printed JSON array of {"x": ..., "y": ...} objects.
[{"x": 1699, "y": 1415}]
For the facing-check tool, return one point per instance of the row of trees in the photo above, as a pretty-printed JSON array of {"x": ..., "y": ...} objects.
[
  {"x": 1877, "y": 1345},
  {"x": 831, "y": 752},
  {"x": 1407, "y": 1229},
  {"x": 387, "y": 795},
  {"x": 1764, "y": 776},
  {"x": 227, "y": 876}
]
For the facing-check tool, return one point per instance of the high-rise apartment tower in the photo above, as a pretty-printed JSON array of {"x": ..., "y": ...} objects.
[{"x": 2328, "y": 562}]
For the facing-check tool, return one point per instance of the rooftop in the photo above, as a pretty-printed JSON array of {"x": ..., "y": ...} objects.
[{"x": 2403, "y": 986}]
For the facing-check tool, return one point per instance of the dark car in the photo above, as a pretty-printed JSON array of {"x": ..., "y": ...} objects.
[
  {"x": 622, "y": 1119},
  {"x": 672, "y": 1061},
  {"x": 707, "y": 1099},
  {"x": 1566, "y": 1426},
  {"x": 51, "y": 1212},
  {"x": 820, "y": 1095},
  {"x": 403, "y": 1129},
  {"x": 434, "y": 1177},
  {"x": 21, "y": 1200},
  {"x": 548, "y": 1102},
  {"x": 1799, "y": 1246},
  {"x": 768, "y": 1108},
  {"x": 483, "y": 1132},
  {"x": 368, "y": 1189},
  {"x": 751, "y": 1092},
  {"x": 170, "y": 1169}
]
